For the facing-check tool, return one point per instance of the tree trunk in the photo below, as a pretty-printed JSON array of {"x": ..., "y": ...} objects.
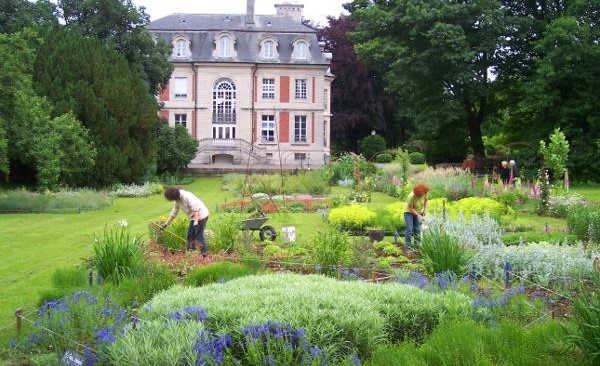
[{"x": 474, "y": 120}]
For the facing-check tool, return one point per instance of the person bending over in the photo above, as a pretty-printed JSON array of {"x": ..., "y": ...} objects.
[{"x": 197, "y": 212}]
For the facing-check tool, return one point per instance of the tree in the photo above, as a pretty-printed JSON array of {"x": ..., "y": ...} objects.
[
  {"x": 555, "y": 154},
  {"x": 54, "y": 151},
  {"x": 176, "y": 148},
  {"x": 83, "y": 75},
  {"x": 122, "y": 26},
  {"x": 562, "y": 92},
  {"x": 18, "y": 14},
  {"x": 358, "y": 102},
  {"x": 438, "y": 55}
]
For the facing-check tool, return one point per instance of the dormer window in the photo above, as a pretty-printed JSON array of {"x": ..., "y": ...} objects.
[
  {"x": 268, "y": 49},
  {"x": 181, "y": 48},
  {"x": 224, "y": 46},
  {"x": 301, "y": 50}
]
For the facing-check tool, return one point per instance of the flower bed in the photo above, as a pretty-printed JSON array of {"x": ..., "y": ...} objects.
[{"x": 292, "y": 204}]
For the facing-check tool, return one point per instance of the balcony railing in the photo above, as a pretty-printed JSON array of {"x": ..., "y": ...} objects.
[{"x": 224, "y": 117}]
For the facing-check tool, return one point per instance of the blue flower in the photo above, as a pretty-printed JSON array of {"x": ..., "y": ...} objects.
[
  {"x": 13, "y": 343},
  {"x": 105, "y": 336},
  {"x": 356, "y": 361}
]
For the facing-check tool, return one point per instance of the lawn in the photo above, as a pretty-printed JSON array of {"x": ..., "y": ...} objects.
[
  {"x": 34, "y": 245},
  {"x": 591, "y": 193}
]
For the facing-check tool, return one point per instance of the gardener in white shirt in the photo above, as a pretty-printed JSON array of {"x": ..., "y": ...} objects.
[{"x": 195, "y": 209}]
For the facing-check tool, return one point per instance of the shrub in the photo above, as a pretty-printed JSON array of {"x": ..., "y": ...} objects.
[
  {"x": 469, "y": 206},
  {"x": 174, "y": 237},
  {"x": 371, "y": 145},
  {"x": 416, "y": 158},
  {"x": 586, "y": 333},
  {"x": 86, "y": 318},
  {"x": 473, "y": 233},
  {"x": 137, "y": 290},
  {"x": 176, "y": 148},
  {"x": 65, "y": 200},
  {"x": 134, "y": 190},
  {"x": 353, "y": 218},
  {"x": 384, "y": 158},
  {"x": 117, "y": 254},
  {"x": 330, "y": 247},
  {"x": 443, "y": 182},
  {"x": 584, "y": 222},
  {"x": 396, "y": 214},
  {"x": 468, "y": 343},
  {"x": 559, "y": 206},
  {"x": 541, "y": 263},
  {"x": 226, "y": 229},
  {"x": 343, "y": 167},
  {"x": 343, "y": 317},
  {"x": 217, "y": 272},
  {"x": 65, "y": 281},
  {"x": 442, "y": 252}
]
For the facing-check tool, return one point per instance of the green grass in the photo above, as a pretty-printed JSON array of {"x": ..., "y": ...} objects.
[
  {"x": 34, "y": 245},
  {"x": 591, "y": 193}
]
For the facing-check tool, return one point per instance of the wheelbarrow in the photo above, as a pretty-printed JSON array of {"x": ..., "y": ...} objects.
[{"x": 266, "y": 232}]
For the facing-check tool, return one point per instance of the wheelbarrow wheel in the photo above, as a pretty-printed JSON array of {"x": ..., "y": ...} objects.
[{"x": 267, "y": 233}]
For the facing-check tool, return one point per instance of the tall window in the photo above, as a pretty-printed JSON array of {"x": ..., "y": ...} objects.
[
  {"x": 300, "y": 51},
  {"x": 224, "y": 97},
  {"x": 268, "y": 128},
  {"x": 181, "y": 48},
  {"x": 325, "y": 98},
  {"x": 300, "y": 129},
  {"x": 325, "y": 133},
  {"x": 268, "y": 88},
  {"x": 181, "y": 119},
  {"x": 268, "y": 49},
  {"x": 180, "y": 88},
  {"x": 224, "y": 46},
  {"x": 301, "y": 89}
]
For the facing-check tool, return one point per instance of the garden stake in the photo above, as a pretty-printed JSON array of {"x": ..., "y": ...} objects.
[
  {"x": 134, "y": 317},
  {"x": 19, "y": 317},
  {"x": 507, "y": 274},
  {"x": 91, "y": 278}
]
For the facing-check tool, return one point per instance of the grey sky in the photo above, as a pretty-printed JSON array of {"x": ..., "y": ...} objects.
[{"x": 316, "y": 10}]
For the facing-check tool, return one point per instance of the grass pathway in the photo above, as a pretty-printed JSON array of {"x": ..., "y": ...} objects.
[{"x": 32, "y": 246}]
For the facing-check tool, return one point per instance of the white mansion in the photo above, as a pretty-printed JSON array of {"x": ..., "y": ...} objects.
[{"x": 250, "y": 88}]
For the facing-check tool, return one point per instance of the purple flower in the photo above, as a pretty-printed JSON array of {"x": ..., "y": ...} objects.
[
  {"x": 105, "y": 336},
  {"x": 356, "y": 361}
]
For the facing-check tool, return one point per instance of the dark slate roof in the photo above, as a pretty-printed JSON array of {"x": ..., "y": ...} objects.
[{"x": 201, "y": 30}]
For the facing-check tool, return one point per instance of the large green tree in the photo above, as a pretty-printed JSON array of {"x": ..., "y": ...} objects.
[
  {"x": 53, "y": 151},
  {"x": 563, "y": 90},
  {"x": 121, "y": 25},
  {"x": 85, "y": 76},
  {"x": 440, "y": 54},
  {"x": 18, "y": 14}
]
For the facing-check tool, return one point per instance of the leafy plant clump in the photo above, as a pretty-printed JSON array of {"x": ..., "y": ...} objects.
[
  {"x": 62, "y": 201},
  {"x": 443, "y": 253},
  {"x": 174, "y": 237},
  {"x": 217, "y": 272},
  {"x": 468, "y": 343},
  {"x": 542, "y": 263},
  {"x": 134, "y": 190},
  {"x": 354, "y": 218},
  {"x": 345, "y": 318},
  {"x": 417, "y": 157},
  {"x": 226, "y": 230},
  {"x": 469, "y": 206},
  {"x": 330, "y": 248},
  {"x": 584, "y": 222},
  {"x": 473, "y": 233},
  {"x": 117, "y": 254}
]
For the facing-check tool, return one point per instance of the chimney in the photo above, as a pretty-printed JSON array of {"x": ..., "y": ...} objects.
[
  {"x": 249, "y": 11},
  {"x": 290, "y": 10}
]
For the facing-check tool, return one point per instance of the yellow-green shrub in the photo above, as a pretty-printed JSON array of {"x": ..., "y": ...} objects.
[
  {"x": 352, "y": 218},
  {"x": 469, "y": 206},
  {"x": 396, "y": 212}
]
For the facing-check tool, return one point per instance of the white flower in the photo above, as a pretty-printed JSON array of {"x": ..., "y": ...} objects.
[{"x": 122, "y": 223}]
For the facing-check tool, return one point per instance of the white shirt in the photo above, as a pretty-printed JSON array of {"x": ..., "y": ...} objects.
[{"x": 189, "y": 203}]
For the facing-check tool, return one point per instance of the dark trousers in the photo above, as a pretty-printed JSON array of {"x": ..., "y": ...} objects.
[
  {"x": 196, "y": 234},
  {"x": 413, "y": 228}
]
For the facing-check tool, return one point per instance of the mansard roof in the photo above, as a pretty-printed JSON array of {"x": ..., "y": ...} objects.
[{"x": 202, "y": 29}]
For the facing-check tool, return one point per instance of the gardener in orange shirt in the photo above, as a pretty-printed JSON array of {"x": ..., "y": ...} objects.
[
  {"x": 416, "y": 205},
  {"x": 195, "y": 209}
]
